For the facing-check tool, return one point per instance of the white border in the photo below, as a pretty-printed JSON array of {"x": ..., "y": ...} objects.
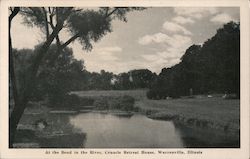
[{"x": 225, "y": 153}]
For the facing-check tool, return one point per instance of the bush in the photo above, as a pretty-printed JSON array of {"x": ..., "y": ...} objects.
[
  {"x": 72, "y": 101},
  {"x": 84, "y": 101},
  {"x": 115, "y": 103},
  {"x": 101, "y": 103},
  {"x": 125, "y": 103}
]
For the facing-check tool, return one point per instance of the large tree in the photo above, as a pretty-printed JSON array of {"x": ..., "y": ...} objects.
[{"x": 85, "y": 25}]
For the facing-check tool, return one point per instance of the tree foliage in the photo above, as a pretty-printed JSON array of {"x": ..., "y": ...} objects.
[
  {"x": 213, "y": 67},
  {"x": 54, "y": 80},
  {"x": 85, "y": 25}
]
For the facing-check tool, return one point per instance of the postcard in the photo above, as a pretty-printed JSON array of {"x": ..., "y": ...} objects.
[{"x": 124, "y": 79}]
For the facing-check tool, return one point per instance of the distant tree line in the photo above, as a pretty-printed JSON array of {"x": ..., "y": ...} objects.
[
  {"x": 213, "y": 67},
  {"x": 104, "y": 80}
]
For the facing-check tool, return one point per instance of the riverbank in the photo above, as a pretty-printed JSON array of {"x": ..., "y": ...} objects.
[
  {"x": 214, "y": 116},
  {"x": 217, "y": 110}
]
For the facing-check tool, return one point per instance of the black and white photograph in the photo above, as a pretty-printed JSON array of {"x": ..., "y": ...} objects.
[{"x": 124, "y": 77}]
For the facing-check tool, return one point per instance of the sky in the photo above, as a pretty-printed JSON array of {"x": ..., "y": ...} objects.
[{"x": 151, "y": 39}]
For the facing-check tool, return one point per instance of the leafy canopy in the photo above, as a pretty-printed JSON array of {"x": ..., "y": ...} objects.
[{"x": 88, "y": 25}]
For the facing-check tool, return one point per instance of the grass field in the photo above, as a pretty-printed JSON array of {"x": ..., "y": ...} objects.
[{"x": 216, "y": 110}]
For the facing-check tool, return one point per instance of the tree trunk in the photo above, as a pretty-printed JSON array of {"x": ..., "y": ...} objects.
[
  {"x": 15, "y": 117},
  {"x": 22, "y": 101},
  {"x": 12, "y": 77}
]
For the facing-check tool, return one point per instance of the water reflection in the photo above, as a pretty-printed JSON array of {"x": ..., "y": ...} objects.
[{"x": 138, "y": 131}]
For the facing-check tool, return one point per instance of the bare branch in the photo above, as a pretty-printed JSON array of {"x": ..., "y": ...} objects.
[
  {"x": 106, "y": 11},
  {"x": 70, "y": 40},
  {"x": 51, "y": 21},
  {"x": 49, "y": 10},
  {"x": 53, "y": 27},
  {"x": 112, "y": 12},
  {"x": 11, "y": 9},
  {"x": 46, "y": 24}
]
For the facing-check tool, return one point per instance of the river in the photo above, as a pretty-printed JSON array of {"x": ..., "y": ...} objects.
[
  {"x": 107, "y": 130},
  {"x": 138, "y": 131}
]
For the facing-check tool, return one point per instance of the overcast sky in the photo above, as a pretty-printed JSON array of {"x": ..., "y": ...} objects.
[{"x": 154, "y": 38}]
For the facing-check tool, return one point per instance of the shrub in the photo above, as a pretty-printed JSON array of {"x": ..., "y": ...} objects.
[
  {"x": 115, "y": 103},
  {"x": 125, "y": 103},
  {"x": 84, "y": 101},
  {"x": 72, "y": 101},
  {"x": 101, "y": 103}
]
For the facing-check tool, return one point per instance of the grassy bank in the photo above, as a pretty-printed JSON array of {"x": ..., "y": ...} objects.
[
  {"x": 202, "y": 122},
  {"x": 213, "y": 112}
]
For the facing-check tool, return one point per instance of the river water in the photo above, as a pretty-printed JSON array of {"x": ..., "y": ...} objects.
[{"x": 138, "y": 131}]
